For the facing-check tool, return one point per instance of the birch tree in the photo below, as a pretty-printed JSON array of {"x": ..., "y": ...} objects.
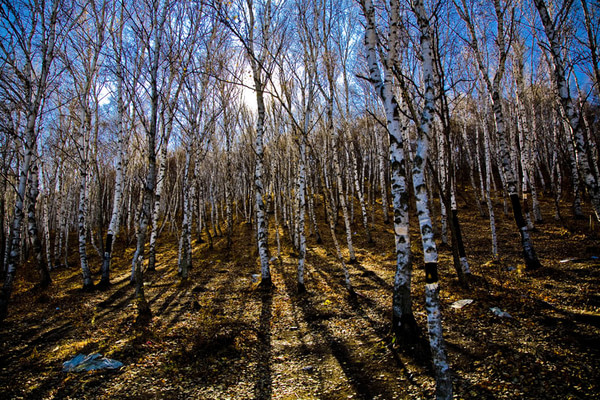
[
  {"x": 297, "y": 96},
  {"x": 493, "y": 86},
  {"x": 329, "y": 91},
  {"x": 30, "y": 32},
  {"x": 432, "y": 303},
  {"x": 591, "y": 29},
  {"x": 180, "y": 42},
  {"x": 152, "y": 42},
  {"x": 86, "y": 44},
  {"x": 33, "y": 225},
  {"x": 259, "y": 28},
  {"x": 570, "y": 112},
  {"x": 443, "y": 80},
  {"x": 119, "y": 75},
  {"x": 403, "y": 322},
  {"x": 197, "y": 126}
]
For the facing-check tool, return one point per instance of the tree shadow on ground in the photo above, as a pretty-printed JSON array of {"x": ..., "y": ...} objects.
[
  {"x": 355, "y": 368},
  {"x": 418, "y": 350},
  {"x": 264, "y": 387}
]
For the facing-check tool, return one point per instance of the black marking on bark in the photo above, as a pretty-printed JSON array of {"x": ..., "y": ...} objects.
[{"x": 431, "y": 273}]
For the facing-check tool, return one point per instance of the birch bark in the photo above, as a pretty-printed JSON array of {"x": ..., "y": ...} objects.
[
  {"x": 432, "y": 304},
  {"x": 574, "y": 120},
  {"x": 113, "y": 226},
  {"x": 336, "y": 139},
  {"x": 330, "y": 218},
  {"x": 36, "y": 83},
  {"x": 488, "y": 189},
  {"x": 260, "y": 77},
  {"x": 32, "y": 228},
  {"x": 494, "y": 91},
  {"x": 185, "y": 252},
  {"x": 302, "y": 205},
  {"x": 403, "y": 322},
  {"x": 154, "y": 50},
  {"x": 360, "y": 193},
  {"x": 88, "y": 283}
]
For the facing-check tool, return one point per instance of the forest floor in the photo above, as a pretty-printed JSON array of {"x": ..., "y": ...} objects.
[{"x": 219, "y": 337}]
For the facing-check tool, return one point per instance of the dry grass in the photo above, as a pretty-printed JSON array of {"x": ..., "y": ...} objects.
[{"x": 217, "y": 337}]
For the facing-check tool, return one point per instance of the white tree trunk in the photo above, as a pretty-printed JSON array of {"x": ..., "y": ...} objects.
[
  {"x": 36, "y": 85},
  {"x": 302, "y": 208},
  {"x": 32, "y": 225},
  {"x": 382, "y": 182},
  {"x": 434, "y": 319},
  {"x": 338, "y": 176},
  {"x": 488, "y": 189},
  {"x": 403, "y": 322},
  {"x": 88, "y": 283},
  {"x": 261, "y": 220},
  {"x": 113, "y": 226},
  {"x": 162, "y": 162},
  {"x": 185, "y": 249},
  {"x": 575, "y": 123},
  {"x": 502, "y": 134},
  {"x": 331, "y": 220},
  {"x": 14, "y": 244},
  {"x": 46, "y": 224},
  {"x": 473, "y": 165},
  {"x": 360, "y": 195}
]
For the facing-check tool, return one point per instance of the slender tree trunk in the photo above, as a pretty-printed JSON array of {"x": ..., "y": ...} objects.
[
  {"x": 228, "y": 194},
  {"x": 113, "y": 226},
  {"x": 3, "y": 242},
  {"x": 382, "y": 182},
  {"x": 302, "y": 208},
  {"x": 488, "y": 189},
  {"x": 575, "y": 182},
  {"x": 575, "y": 122},
  {"x": 493, "y": 88},
  {"x": 143, "y": 309},
  {"x": 473, "y": 165},
  {"x": 257, "y": 60},
  {"x": 338, "y": 176},
  {"x": 537, "y": 213},
  {"x": 15, "y": 232},
  {"x": 313, "y": 213},
  {"x": 185, "y": 251},
  {"x": 162, "y": 161},
  {"x": 555, "y": 172},
  {"x": 88, "y": 283},
  {"x": 261, "y": 220},
  {"x": 432, "y": 304},
  {"x": 64, "y": 234},
  {"x": 360, "y": 195},
  {"x": 207, "y": 227},
  {"x": 46, "y": 224},
  {"x": 277, "y": 226},
  {"x": 33, "y": 109},
  {"x": 326, "y": 200},
  {"x": 531, "y": 260},
  {"x": 404, "y": 325},
  {"x": 447, "y": 190},
  {"x": 32, "y": 227},
  {"x": 524, "y": 134},
  {"x": 444, "y": 184}
]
